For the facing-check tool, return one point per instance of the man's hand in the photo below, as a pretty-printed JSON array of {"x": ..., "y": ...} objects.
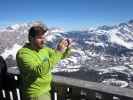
[{"x": 63, "y": 45}]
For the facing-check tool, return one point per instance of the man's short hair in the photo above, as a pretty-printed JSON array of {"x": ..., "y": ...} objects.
[{"x": 36, "y": 30}]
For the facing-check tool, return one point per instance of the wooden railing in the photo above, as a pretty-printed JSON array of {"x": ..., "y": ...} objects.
[
  {"x": 64, "y": 88},
  {"x": 75, "y": 89}
]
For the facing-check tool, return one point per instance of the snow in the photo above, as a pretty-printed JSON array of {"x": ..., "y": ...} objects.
[
  {"x": 101, "y": 31},
  {"x": 11, "y": 51},
  {"x": 67, "y": 69},
  {"x": 126, "y": 29},
  {"x": 115, "y": 82},
  {"x": 57, "y": 31},
  {"x": 3, "y": 29},
  {"x": 16, "y": 26},
  {"x": 92, "y": 38},
  {"x": 116, "y": 39},
  {"x": 51, "y": 34},
  {"x": 73, "y": 59},
  {"x": 50, "y": 37},
  {"x": 111, "y": 69},
  {"x": 118, "y": 68},
  {"x": 99, "y": 44},
  {"x": 102, "y": 57}
]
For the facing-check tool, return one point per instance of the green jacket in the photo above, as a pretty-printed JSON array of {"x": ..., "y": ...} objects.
[{"x": 35, "y": 68}]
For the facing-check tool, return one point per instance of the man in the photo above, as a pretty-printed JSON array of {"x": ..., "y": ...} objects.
[{"x": 36, "y": 61}]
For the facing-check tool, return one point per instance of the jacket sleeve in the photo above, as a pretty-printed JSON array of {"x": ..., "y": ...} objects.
[
  {"x": 27, "y": 63},
  {"x": 54, "y": 57}
]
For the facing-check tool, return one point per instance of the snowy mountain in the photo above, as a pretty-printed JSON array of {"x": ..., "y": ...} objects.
[{"x": 104, "y": 53}]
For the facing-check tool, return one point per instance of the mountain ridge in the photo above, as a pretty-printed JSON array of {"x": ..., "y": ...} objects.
[{"x": 104, "y": 50}]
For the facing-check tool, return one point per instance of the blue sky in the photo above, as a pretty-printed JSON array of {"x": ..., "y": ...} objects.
[{"x": 68, "y": 14}]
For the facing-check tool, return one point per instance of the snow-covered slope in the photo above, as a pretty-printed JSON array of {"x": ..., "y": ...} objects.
[{"x": 12, "y": 51}]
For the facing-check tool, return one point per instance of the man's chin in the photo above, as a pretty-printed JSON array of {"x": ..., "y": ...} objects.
[{"x": 40, "y": 47}]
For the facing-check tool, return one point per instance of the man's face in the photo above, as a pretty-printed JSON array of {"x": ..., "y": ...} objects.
[{"x": 39, "y": 41}]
